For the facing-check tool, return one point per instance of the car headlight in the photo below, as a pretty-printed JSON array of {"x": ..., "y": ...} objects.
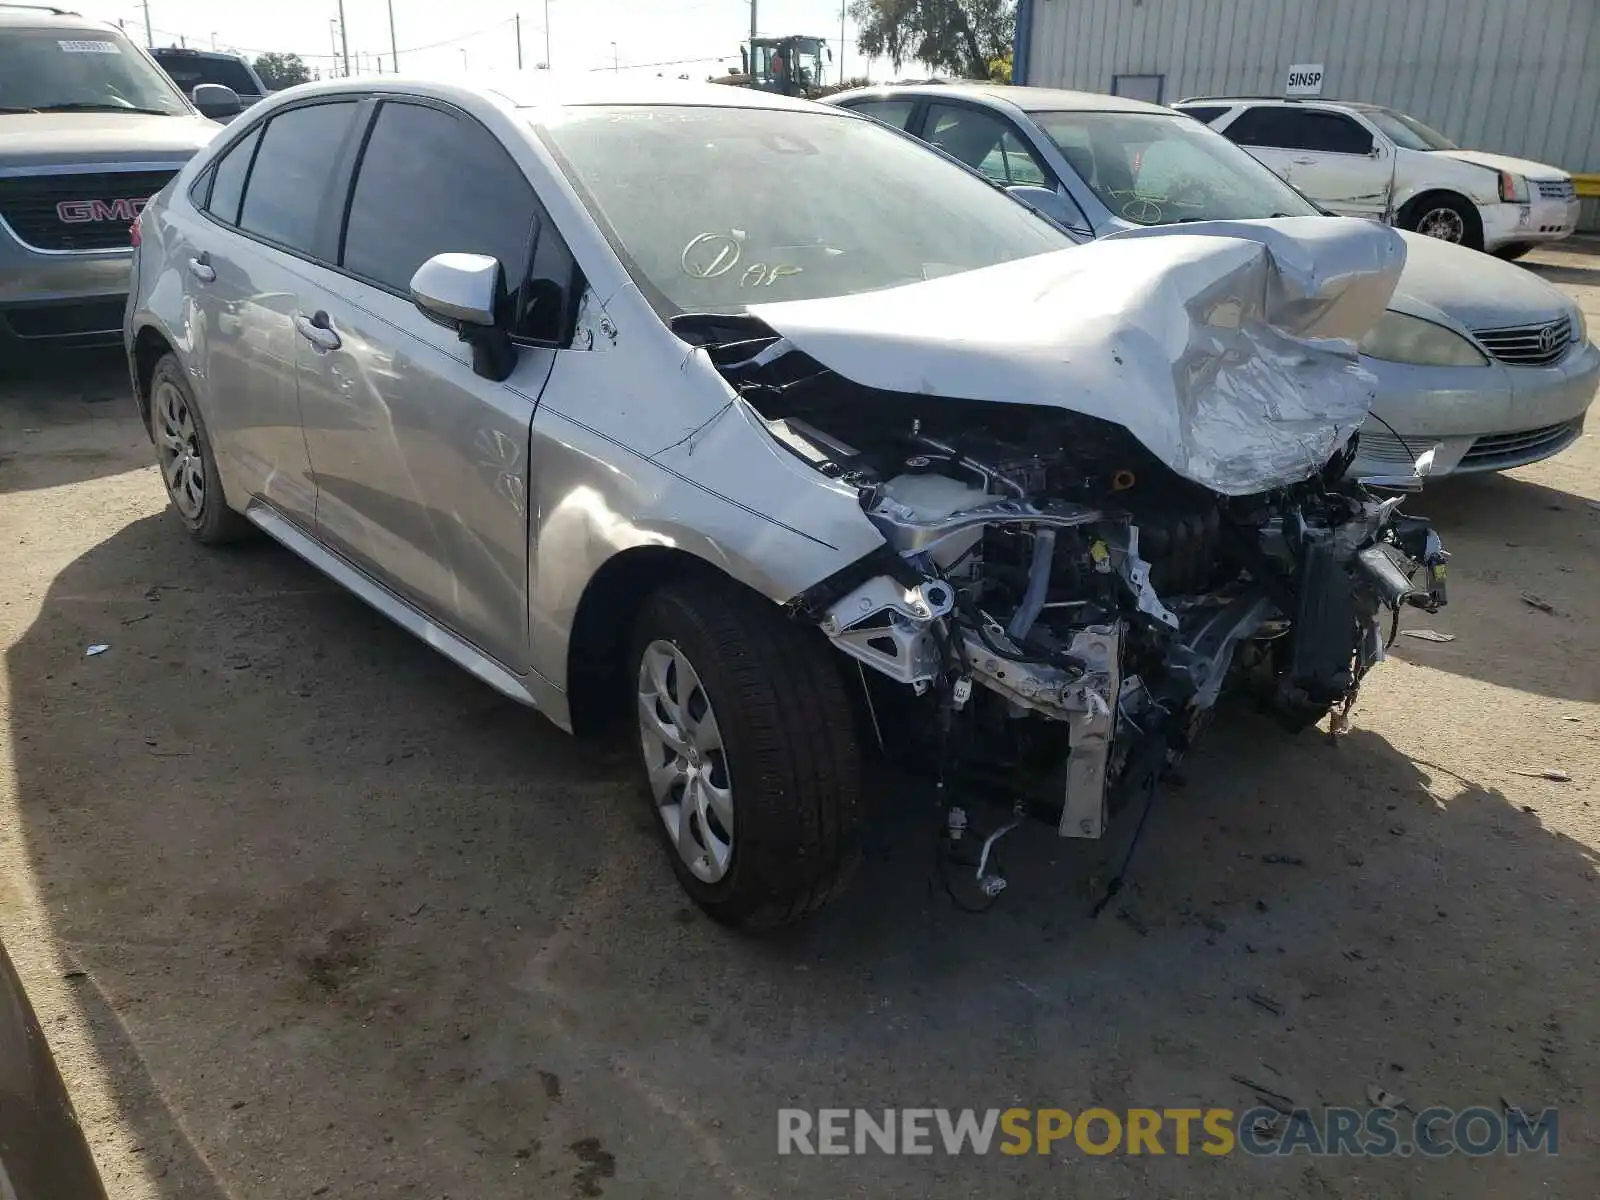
[
  {"x": 1402, "y": 339},
  {"x": 1513, "y": 188}
]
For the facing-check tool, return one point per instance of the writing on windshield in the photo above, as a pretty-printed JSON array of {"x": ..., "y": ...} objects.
[{"x": 713, "y": 209}]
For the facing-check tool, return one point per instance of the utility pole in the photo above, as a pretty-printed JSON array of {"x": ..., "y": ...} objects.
[
  {"x": 394, "y": 46},
  {"x": 344, "y": 40},
  {"x": 149, "y": 34},
  {"x": 333, "y": 40},
  {"x": 841, "y": 42},
  {"x": 546, "y": 35},
  {"x": 752, "y": 35},
  {"x": 616, "y": 60},
  {"x": 518, "y": 20}
]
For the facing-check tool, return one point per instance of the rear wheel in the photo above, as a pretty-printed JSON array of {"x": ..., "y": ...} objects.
[
  {"x": 750, "y": 753},
  {"x": 1446, "y": 216},
  {"x": 187, "y": 460}
]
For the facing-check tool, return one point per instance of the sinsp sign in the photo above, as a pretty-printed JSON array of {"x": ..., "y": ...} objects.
[{"x": 1305, "y": 79}]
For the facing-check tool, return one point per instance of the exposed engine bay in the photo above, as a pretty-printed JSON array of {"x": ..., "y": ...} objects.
[{"x": 1057, "y": 611}]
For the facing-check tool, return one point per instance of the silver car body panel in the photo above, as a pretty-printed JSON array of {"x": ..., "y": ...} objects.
[
  {"x": 479, "y": 514},
  {"x": 1226, "y": 348},
  {"x": 483, "y": 510}
]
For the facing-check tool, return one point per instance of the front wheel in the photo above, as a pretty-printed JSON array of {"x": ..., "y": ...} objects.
[
  {"x": 750, "y": 753},
  {"x": 1445, "y": 216}
]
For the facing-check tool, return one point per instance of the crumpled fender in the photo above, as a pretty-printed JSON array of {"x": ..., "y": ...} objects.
[{"x": 1227, "y": 348}]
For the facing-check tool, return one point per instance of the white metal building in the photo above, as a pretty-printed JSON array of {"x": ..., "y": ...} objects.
[{"x": 1520, "y": 77}]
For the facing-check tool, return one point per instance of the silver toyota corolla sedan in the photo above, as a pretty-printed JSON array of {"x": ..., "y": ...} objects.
[
  {"x": 657, "y": 405},
  {"x": 1484, "y": 360}
]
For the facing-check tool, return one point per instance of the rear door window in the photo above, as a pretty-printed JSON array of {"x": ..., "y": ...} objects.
[
  {"x": 228, "y": 176},
  {"x": 1288, "y": 127},
  {"x": 297, "y": 159}
]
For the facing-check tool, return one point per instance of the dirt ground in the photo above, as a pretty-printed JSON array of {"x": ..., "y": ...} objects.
[{"x": 339, "y": 921}]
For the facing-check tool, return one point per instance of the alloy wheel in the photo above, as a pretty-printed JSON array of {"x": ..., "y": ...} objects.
[
  {"x": 1443, "y": 223},
  {"x": 182, "y": 466},
  {"x": 686, "y": 761}
]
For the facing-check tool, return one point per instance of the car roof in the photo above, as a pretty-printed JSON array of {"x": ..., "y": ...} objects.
[
  {"x": 27, "y": 16},
  {"x": 1361, "y": 105},
  {"x": 527, "y": 90},
  {"x": 1028, "y": 99},
  {"x": 187, "y": 52}
]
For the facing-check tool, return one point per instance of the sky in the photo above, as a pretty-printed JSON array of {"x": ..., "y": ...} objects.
[{"x": 697, "y": 37}]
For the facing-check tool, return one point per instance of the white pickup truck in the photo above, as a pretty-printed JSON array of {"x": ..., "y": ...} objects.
[{"x": 1363, "y": 160}]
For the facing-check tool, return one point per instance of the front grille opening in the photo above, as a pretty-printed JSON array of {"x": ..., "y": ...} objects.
[
  {"x": 84, "y": 211},
  {"x": 1528, "y": 345},
  {"x": 1509, "y": 449}
]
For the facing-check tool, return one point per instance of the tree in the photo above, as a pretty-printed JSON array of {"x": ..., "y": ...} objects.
[
  {"x": 281, "y": 70},
  {"x": 964, "y": 37}
]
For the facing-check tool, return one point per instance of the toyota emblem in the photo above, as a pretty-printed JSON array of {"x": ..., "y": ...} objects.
[{"x": 1549, "y": 337}]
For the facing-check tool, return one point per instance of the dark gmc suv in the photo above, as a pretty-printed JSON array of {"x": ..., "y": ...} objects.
[{"x": 90, "y": 129}]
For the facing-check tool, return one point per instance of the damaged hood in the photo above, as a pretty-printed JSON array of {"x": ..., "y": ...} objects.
[{"x": 1226, "y": 348}]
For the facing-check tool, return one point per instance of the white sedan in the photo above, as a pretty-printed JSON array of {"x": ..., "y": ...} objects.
[{"x": 1363, "y": 160}]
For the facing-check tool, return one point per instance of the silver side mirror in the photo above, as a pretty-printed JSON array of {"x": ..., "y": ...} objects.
[
  {"x": 216, "y": 101},
  {"x": 457, "y": 289}
]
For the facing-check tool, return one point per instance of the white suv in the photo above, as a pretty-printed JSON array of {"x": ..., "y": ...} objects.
[{"x": 1363, "y": 160}]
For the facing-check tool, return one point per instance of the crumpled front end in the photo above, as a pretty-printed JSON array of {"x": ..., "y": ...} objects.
[
  {"x": 1103, "y": 501},
  {"x": 1227, "y": 349}
]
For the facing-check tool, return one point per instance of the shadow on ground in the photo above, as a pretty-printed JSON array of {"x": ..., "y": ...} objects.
[
  {"x": 1517, "y": 546},
  {"x": 352, "y": 922},
  {"x": 1568, "y": 273},
  {"x": 64, "y": 418}
]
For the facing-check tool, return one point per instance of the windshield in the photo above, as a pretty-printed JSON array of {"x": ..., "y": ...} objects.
[
  {"x": 1407, "y": 132},
  {"x": 88, "y": 70},
  {"x": 781, "y": 205},
  {"x": 190, "y": 70},
  {"x": 1158, "y": 168},
  {"x": 796, "y": 63}
]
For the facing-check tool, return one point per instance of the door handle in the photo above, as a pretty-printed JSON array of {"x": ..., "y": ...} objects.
[
  {"x": 201, "y": 268},
  {"x": 1303, "y": 162},
  {"x": 318, "y": 330}
]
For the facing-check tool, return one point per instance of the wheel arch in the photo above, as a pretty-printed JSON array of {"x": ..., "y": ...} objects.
[
  {"x": 1405, "y": 215},
  {"x": 150, "y": 346},
  {"x": 603, "y": 621}
]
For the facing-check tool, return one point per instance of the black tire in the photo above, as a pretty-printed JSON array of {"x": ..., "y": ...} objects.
[
  {"x": 1424, "y": 212},
  {"x": 214, "y": 524},
  {"x": 791, "y": 752},
  {"x": 1514, "y": 251}
]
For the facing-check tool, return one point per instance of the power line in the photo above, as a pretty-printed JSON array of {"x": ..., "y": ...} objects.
[
  {"x": 465, "y": 37},
  {"x": 671, "y": 62}
]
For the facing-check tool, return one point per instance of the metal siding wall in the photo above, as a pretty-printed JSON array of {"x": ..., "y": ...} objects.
[{"x": 1518, "y": 76}]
